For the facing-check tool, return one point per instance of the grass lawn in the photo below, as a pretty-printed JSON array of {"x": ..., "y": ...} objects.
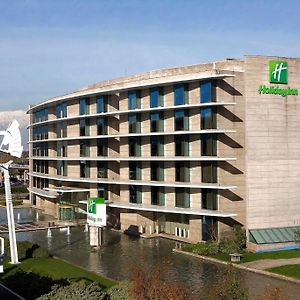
[
  {"x": 289, "y": 270},
  {"x": 247, "y": 257},
  {"x": 56, "y": 269}
]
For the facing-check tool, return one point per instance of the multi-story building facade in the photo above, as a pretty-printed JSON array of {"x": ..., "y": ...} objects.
[{"x": 188, "y": 151}]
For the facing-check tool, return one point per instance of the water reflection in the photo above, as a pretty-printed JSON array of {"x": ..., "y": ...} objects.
[{"x": 120, "y": 253}]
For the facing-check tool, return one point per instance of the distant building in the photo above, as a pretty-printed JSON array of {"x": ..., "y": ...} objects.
[{"x": 188, "y": 151}]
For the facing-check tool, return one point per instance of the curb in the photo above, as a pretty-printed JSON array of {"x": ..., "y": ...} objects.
[{"x": 241, "y": 267}]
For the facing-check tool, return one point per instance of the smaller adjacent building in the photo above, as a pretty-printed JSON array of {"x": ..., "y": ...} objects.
[{"x": 188, "y": 151}]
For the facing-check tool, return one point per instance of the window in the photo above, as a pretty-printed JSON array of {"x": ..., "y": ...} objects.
[
  {"x": 135, "y": 171},
  {"x": 209, "y": 172},
  {"x": 102, "y": 147},
  {"x": 101, "y": 126},
  {"x": 40, "y": 133},
  {"x": 182, "y": 171},
  {"x": 40, "y": 115},
  {"x": 84, "y": 106},
  {"x": 135, "y": 194},
  {"x": 102, "y": 189},
  {"x": 156, "y": 97},
  {"x": 157, "y": 145},
  {"x": 102, "y": 169},
  {"x": 157, "y": 121},
  {"x": 84, "y": 127},
  {"x": 181, "y": 145},
  {"x": 84, "y": 169},
  {"x": 61, "y": 129},
  {"x": 62, "y": 168},
  {"x": 134, "y": 100},
  {"x": 181, "y": 120},
  {"x": 101, "y": 104},
  {"x": 209, "y": 199},
  {"x": 84, "y": 148},
  {"x": 62, "y": 147},
  {"x": 62, "y": 110},
  {"x": 134, "y": 146},
  {"x": 207, "y": 91},
  {"x": 208, "y": 118},
  {"x": 209, "y": 228},
  {"x": 181, "y": 93},
  {"x": 208, "y": 145},
  {"x": 40, "y": 149},
  {"x": 134, "y": 123},
  {"x": 157, "y": 195},
  {"x": 182, "y": 197},
  {"x": 157, "y": 171},
  {"x": 41, "y": 166}
]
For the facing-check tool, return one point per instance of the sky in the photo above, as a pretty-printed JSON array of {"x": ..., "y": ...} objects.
[{"x": 51, "y": 47}]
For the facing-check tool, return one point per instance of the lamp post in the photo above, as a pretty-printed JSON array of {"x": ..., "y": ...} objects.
[{"x": 11, "y": 144}]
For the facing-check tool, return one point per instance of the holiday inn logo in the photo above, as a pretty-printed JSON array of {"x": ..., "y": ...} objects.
[
  {"x": 92, "y": 204},
  {"x": 278, "y": 71}
]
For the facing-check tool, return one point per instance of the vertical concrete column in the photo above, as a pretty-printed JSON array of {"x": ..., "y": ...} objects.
[{"x": 195, "y": 228}]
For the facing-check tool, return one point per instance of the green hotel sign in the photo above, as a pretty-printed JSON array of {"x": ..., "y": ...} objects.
[
  {"x": 96, "y": 211},
  {"x": 278, "y": 73}
]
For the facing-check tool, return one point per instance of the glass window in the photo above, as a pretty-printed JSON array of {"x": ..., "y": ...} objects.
[
  {"x": 208, "y": 118},
  {"x": 134, "y": 123},
  {"x": 181, "y": 93},
  {"x": 40, "y": 115},
  {"x": 208, "y": 145},
  {"x": 209, "y": 228},
  {"x": 102, "y": 169},
  {"x": 157, "y": 171},
  {"x": 156, "y": 97},
  {"x": 209, "y": 172},
  {"x": 157, "y": 121},
  {"x": 157, "y": 145},
  {"x": 181, "y": 145},
  {"x": 134, "y": 146},
  {"x": 62, "y": 147},
  {"x": 135, "y": 171},
  {"x": 84, "y": 169},
  {"x": 135, "y": 194},
  {"x": 102, "y": 190},
  {"x": 102, "y": 147},
  {"x": 62, "y": 110},
  {"x": 209, "y": 199},
  {"x": 207, "y": 91},
  {"x": 101, "y": 104},
  {"x": 157, "y": 195},
  {"x": 182, "y": 171},
  {"x": 84, "y": 107},
  {"x": 181, "y": 120},
  {"x": 61, "y": 129},
  {"x": 84, "y": 148},
  {"x": 101, "y": 126},
  {"x": 182, "y": 197},
  {"x": 134, "y": 100},
  {"x": 84, "y": 127}
]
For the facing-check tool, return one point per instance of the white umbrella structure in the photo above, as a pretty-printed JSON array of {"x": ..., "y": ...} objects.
[{"x": 11, "y": 144}]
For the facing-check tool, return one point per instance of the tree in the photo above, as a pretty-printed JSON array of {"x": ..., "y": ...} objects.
[{"x": 150, "y": 286}]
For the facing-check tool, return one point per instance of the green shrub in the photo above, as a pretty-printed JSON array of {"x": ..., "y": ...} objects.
[
  {"x": 207, "y": 248},
  {"x": 76, "y": 291},
  {"x": 40, "y": 253},
  {"x": 228, "y": 246},
  {"x": 240, "y": 236},
  {"x": 119, "y": 291}
]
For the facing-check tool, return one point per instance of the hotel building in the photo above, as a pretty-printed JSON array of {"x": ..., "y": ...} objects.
[{"x": 188, "y": 151}]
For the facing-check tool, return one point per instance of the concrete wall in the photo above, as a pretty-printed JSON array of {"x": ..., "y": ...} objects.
[{"x": 272, "y": 147}]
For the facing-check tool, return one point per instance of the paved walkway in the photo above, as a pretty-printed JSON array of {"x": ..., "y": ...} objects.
[{"x": 263, "y": 264}]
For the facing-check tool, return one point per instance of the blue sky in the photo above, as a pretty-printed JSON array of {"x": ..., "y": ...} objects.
[{"x": 50, "y": 47}]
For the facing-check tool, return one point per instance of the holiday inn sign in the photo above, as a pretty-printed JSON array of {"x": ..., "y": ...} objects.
[{"x": 278, "y": 73}]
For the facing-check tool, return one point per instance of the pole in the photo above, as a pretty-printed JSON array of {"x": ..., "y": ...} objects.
[{"x": 10, "y": 215}]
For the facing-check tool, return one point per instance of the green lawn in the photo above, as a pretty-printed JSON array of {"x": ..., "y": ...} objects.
[
  {"x": 289, "y": 270},
  {"x": 247, "y": 257},
  {"x": 56, "y": 269}
]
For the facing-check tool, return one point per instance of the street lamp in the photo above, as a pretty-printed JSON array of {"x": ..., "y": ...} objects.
[{"x": 11, "y": 144}]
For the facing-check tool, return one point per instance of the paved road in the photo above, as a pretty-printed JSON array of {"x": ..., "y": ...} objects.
[
  {"x": 7, "y": 294},
  {"x": 271, "y": 263}
]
